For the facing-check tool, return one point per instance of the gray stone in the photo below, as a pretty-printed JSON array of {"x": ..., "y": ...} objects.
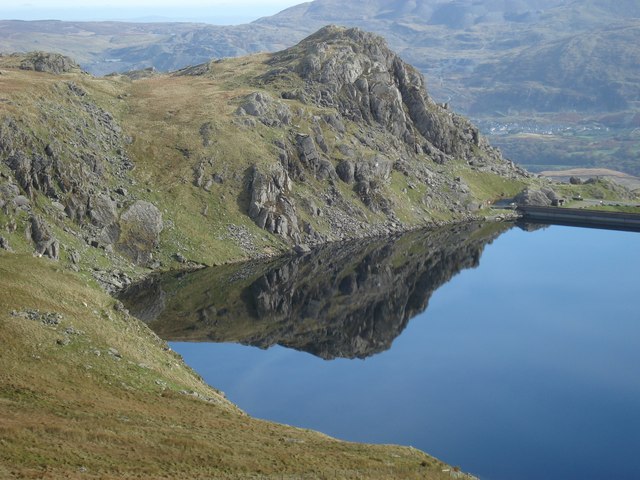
[
  {"x": 140, "y": 228},
  {"x": 21, "y": 202},
  {"x": 49, "y": 62},
  {"x": 575, "y": 181},
  {"x": 269, "y": 111},
  {"x": 114, "y": 353},
  {"x": 74, "y": 256},
  {"x": 270, "y": 207},
  {"x": 102, "y": 210},
  {"x": 4, "y": 244},
  {"x": 536, "y": 198},
  {"x": 346, "y": 171},
  {"x": 45, "y": 243}
]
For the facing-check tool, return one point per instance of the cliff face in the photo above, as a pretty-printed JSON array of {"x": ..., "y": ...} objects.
[
  {"x": 348, "y": 301},
  {"x": 333, "y": 139}
]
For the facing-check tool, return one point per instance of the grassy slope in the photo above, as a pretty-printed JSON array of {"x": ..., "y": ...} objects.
[
  {"x": 164, "y": 115},
  {"x": 64, "y": 408},
  {"x": 70, "y": 413}
]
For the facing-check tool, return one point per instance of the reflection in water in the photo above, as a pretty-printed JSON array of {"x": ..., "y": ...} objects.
[{"x": 350, "y": 300}]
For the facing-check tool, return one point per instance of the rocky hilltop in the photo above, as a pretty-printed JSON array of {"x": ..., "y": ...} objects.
[{"x": 333, "y": 139}]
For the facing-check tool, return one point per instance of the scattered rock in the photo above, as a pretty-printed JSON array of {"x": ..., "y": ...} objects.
[
  {"x": 73, "y": 331},
  {"x": 46, "y": 318},
  {"x": 112, "y": 282},
  {"x": 114, "y": 353}
]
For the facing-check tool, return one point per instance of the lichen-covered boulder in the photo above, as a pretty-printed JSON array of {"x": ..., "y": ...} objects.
[{"x": 140, "y": 228}]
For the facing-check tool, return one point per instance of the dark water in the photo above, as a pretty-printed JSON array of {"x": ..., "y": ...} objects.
[{"x": 526, "y": 367}]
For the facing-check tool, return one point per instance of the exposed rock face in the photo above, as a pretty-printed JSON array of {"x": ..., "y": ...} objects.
[
  {"x": 45, "y": 243},
  {"x": 344, "y": 140},
  {"x": 350, "y": 300},
  {"x": 140, "y": 226},
  {"x": 358, "y": 74},
  {"x": 270, "y": 207},
  {"x": 312, "y": 160},
  {"x": 102, "y": 210},
  {"x": 377, "y": 119},
  {"x": 49, "y": 62}
]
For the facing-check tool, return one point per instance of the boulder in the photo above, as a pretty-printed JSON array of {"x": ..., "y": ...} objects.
[
  {"x": 49, "y": 62},
  {"x": 536, "y": 198},
  {"x": 4, "y": 244},
  {"x": 102, "y": 210},
  {"x": 346, "y": 171},
  {"x": 140, "y": 228},
  {"x": 39, "y": 232}
]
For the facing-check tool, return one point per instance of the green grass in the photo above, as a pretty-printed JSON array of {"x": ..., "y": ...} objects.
[{"x": 617, "y": 208}]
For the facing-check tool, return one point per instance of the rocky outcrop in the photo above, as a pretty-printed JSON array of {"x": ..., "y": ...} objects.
[
  {"x": 81, "y": 172},
  {"x": 377, "y": 119},
  {"x": 49, "y": 63},
  {"x": 270, "y": 206},
  {"x": 266, "y": 109},
  {"x": 40, "y": 233},
  {"x": 544, "y": 197},
  {"x": 312, "y": 159},
  {"x": 139, "y": 232},
  {"x": 356, "y": 73}
]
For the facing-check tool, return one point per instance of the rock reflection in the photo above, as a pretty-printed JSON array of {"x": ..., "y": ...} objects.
[{"x": 350, "y": 300}]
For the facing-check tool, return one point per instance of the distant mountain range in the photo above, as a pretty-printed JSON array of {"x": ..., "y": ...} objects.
[{"x": 498, "y": 61}]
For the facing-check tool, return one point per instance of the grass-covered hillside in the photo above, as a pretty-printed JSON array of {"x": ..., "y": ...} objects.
[
  {"x": 335, "y": 138},
  {"x": 112, "y": 178},
  {"x": 88, "y": 392}
]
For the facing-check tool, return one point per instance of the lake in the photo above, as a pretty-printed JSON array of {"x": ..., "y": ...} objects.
[{"x": 513, "y": 354}]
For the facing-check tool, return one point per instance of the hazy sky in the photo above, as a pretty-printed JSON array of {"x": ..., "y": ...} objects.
[{"x": 211, "y": 11}]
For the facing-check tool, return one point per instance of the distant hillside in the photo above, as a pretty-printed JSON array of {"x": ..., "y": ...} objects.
[
  {"x": 516, "y": 66},
  {"x": 595, "y": 71},
  {"x": 457, "y": 44}
]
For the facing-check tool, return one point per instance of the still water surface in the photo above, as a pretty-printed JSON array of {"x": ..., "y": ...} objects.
[{"x": 524, "y": 367}]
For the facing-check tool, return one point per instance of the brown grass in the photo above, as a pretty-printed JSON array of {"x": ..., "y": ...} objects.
[{"x": 67, "y": 413}]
